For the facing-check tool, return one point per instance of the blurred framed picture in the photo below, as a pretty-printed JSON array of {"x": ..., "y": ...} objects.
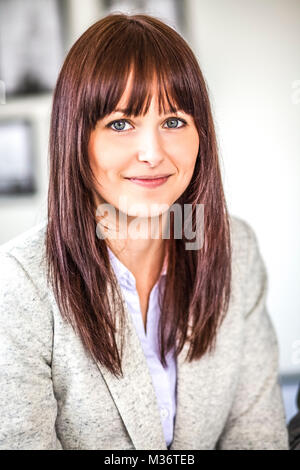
[
  {"x": 169, "y": 11},
  {"x": 17, "y": 173},
  {"x": 31, "y": 45}
]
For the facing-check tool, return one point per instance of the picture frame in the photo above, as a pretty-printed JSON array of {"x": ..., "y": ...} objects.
[
  {"x": 17, "y": 163},
  {"x": 170, "y": 11},
  {"x": 31, "y": 45}
]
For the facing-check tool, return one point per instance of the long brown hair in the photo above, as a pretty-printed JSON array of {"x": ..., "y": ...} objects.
[{"x": 90, "y": 84}]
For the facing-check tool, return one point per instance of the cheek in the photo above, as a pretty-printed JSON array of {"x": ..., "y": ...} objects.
[
  {"x": 193, "y": 145},
  {"x": 186, "y": 155},
  {"x": 104, "y": 158},
  {"x": 193, "y": 151}
]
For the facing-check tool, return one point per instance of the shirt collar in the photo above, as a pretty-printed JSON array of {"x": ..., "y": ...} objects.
[{"x": 119, "y": 268}]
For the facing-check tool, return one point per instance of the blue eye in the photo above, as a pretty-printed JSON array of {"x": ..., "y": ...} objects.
[
  {"x": 174, "y": 119},
  {"x": 119, "y": 124},
  {"x": 122, "y": 121}
]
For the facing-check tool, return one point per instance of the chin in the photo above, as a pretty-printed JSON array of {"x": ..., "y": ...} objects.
[{"x": 148, "y": 210}]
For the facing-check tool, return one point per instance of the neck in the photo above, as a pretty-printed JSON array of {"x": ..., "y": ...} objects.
[{"x": 138, "y": 243}]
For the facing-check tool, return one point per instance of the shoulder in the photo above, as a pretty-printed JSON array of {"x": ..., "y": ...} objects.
[
  {"x": 24, "y": 257},
  {"x": 249, "y": 272},
  {"x": 27, "y": 242},
  {"x": 246, "y": 252},
  {"x": 25, "y": 304},
  {"x": 26, "y": 318},
  {"x": 243, "y": 236}
]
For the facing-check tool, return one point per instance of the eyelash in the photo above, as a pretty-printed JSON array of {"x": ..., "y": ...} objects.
[{"x": 126, "y": 120}]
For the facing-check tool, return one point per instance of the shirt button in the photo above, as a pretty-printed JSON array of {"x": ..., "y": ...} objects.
[{"x": 164, "y": 413}]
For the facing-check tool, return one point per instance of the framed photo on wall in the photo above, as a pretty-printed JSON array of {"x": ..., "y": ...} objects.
[
  {"x": 31, "y": 45},
  {"x": 170, "y": 11},
  {"x": 17, "y": 172}
]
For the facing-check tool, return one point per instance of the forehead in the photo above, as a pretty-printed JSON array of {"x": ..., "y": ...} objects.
[{"x": 151, "y": 99}]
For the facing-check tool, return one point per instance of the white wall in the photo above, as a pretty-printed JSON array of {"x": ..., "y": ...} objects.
[{"x": 249, "y": 52}]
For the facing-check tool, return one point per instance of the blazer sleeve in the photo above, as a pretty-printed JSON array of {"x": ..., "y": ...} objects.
[
  {"x": 28, "y": 407},
  {"x": 257, "y": 417}
]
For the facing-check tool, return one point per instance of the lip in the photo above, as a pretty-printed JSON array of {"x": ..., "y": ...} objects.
[
  {"x": 144, "y": 177},
  {"x": 149, "y": 182}
]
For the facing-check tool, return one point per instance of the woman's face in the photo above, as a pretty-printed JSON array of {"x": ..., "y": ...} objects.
[{"x": 122, "y": 147}]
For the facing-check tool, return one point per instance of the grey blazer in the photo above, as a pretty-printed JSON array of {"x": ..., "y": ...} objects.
[{"x": 53, "y": 396}]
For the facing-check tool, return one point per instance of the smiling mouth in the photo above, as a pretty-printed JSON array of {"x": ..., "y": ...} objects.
[
  {"x": 145, "y": 177},
  {"x": 149, "y": 182}
]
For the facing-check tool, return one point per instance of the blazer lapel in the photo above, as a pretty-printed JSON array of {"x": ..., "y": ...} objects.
[
  {"x": 186, "y": 409},
  {"x": 134, "y": 394}
]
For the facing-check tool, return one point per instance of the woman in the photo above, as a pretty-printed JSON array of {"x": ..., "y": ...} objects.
[{"x": 117, "y": 335}]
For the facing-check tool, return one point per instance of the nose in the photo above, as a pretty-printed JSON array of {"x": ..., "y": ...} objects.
[{"x": 151, "y": 149}]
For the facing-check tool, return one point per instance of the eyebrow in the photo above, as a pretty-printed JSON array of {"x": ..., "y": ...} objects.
[{"x": 118, "y": 110}]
